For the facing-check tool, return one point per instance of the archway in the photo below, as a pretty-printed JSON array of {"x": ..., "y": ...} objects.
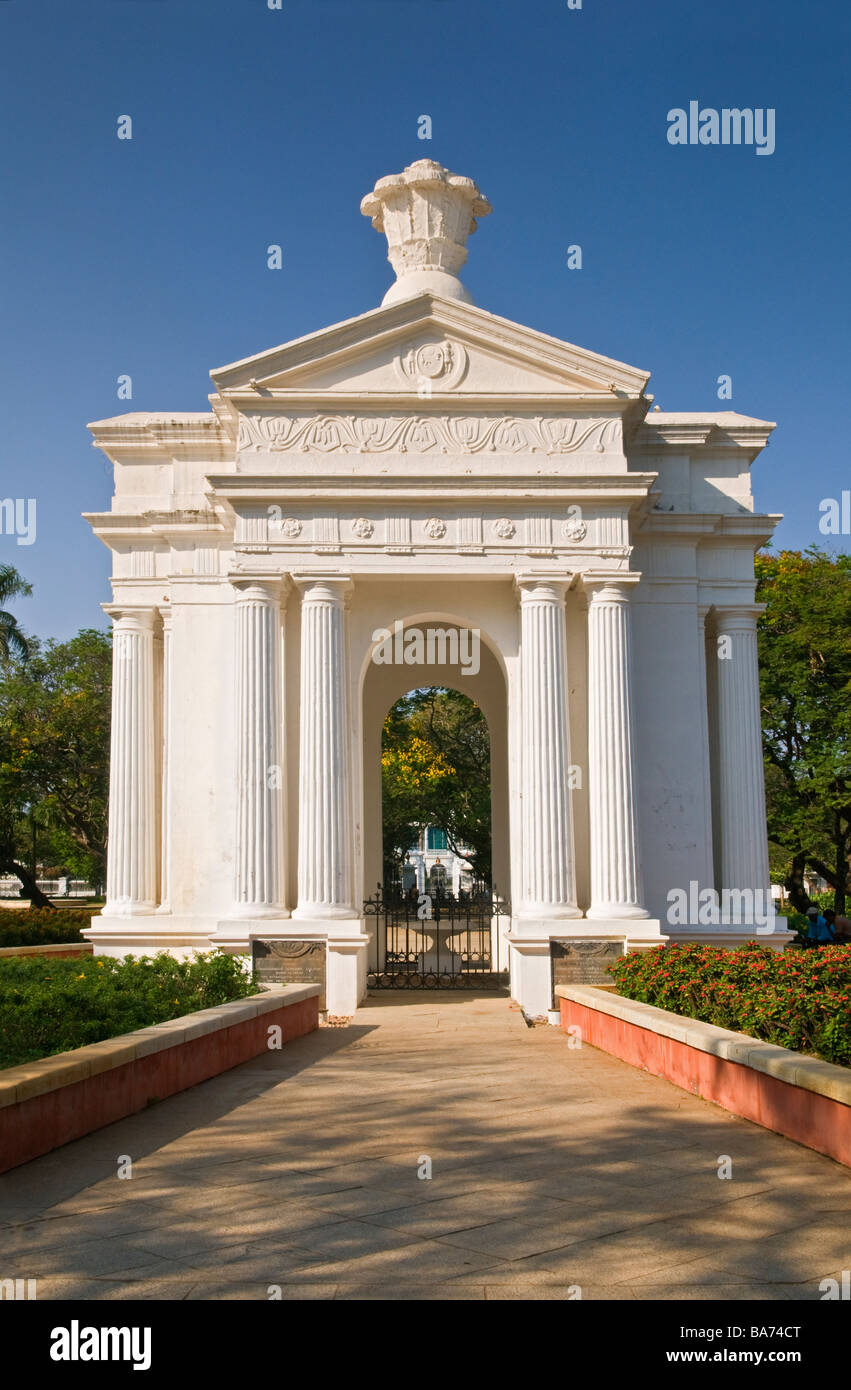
[{"x": 473, "y": 918}]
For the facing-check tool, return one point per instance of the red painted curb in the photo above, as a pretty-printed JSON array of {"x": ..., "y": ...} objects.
[
  {"x": 33, "y": 1127},
  {"x": 805, "y": 1116}
]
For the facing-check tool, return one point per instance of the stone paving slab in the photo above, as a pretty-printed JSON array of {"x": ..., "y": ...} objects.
[{"x": 552, "y": 1167}]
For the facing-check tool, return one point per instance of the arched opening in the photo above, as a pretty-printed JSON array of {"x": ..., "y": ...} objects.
[
  {"x": 436, "y": 800},
  {"x": 435, "y": 818}
]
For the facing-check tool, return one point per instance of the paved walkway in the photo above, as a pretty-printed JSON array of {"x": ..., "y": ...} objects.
[{"x": 552, "y": 1167}]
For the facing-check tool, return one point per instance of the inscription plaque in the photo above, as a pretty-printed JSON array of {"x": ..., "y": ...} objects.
[
  {"x": 584, "y": 962},
  {"x": 290, "y": 962}
]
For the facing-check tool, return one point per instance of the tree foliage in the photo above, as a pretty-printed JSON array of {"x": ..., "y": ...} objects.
[
  {"x": 435, "y": 766},
  {"x": 805, "y": 688},
  {"x": 13, "y": 643},
  {"x": 54, "y": 755}
]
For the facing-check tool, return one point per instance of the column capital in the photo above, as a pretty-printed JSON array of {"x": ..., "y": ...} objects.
[
  {"x": 324, "y": 588},
  {"x": 740, "y": 617},
  {"x": 166, "y": 613},
  {"x": 269, "y": 588},
  {"x": 130, "y": 616},
  {"x": 610, "y": 588},
  {"x": 541, "y": 587}
]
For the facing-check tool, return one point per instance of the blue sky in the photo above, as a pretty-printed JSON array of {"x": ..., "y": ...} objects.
[{"x": 254, "y": 126}]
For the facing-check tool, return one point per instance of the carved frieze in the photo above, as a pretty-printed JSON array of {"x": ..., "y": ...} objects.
[
  {"x": 363, "y": 527},
  {"x": 423, "y": 434}
]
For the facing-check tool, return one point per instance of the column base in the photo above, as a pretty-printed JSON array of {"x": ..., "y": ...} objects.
[
  {"x": 323, "y": 914},
  {"x": 125, "y": 910},
  {"x": 258, "y": 912}
]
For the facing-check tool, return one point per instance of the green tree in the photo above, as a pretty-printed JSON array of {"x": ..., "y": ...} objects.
[
  {"x": 805, "y": 689},
  {"x": 12, "y": 640},
  {"x": 54, "y": 756},
  {"x": 435, "y": 765}
]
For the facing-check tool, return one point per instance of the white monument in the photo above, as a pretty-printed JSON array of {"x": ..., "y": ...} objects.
[{"x": 430, "y": 464}]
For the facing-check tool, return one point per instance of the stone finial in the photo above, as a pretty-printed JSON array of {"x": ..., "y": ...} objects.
[{"x": 426, "y": 213}]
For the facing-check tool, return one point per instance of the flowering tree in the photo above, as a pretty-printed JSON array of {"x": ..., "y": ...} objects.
[{"x": 435, "y": 766}]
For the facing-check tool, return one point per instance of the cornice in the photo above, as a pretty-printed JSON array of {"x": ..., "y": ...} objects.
[
  {"x": 191, "y": 434},
  {"x": 243, "y": 487},
  {"x": 439, "y": 401},
  {"x": 706, "y": 527},
  {"x": 676, "y": 431}
]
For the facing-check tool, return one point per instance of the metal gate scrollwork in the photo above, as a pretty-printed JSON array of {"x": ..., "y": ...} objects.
[{"x": 436, "y": 939}]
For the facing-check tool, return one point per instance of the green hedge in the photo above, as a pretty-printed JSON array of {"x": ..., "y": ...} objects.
[
  {"x": 49, "y": 1006},
  {"x": 43, "y": 926},
  {"x": 797, "y": 999}
]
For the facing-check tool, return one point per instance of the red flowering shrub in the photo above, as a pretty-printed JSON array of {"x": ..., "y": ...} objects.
[{"x": 797, "y": 999}]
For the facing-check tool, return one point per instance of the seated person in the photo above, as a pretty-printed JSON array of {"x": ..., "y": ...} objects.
[
  {"x": 841, "y": 925},
  {"x": 820, "y": 932}
]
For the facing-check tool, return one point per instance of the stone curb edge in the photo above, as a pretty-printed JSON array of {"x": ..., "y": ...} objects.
[
  {"x": 808, "y": 1073},
  {"x": 30, "y": 1079}
]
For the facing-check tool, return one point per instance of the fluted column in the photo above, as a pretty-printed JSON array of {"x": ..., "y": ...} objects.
[
  {"x": 549, "y": 880},
  {"x": 133, "y": 829},
  {"x": 741, "y": 791},
  {"x": 259, "y": 841},
  {"x": 616, "y": 887},
  {"x": 705, "y": 735},
  {"x": 325, "y": 811},
  {"x": 165, "y": 741}
]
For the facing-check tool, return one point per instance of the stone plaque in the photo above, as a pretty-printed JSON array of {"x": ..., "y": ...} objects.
[
  {"x": 584, "y": 962},
  {"x": 290, "y": 962}
]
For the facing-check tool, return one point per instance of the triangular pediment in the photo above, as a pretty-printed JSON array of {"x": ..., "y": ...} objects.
[{"x": 428, "y": 346}]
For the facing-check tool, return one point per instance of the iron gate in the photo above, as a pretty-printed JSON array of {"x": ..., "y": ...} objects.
[{"x": 436, "y": 940}]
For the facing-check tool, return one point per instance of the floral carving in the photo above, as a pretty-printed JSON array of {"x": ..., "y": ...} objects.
[
  {"x": 435, "y": 528},
  {"x": 290, "y": 527},
  {"x": 574, "y": 529},
  {"x": 363, "y": 527},
  {"x": 505, "y": 528}
]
